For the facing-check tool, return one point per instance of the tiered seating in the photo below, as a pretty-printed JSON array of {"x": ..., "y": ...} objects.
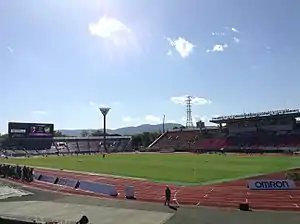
[
  {"x": 257, "y": 140},
  {"x": 10, "y": 152},
  {"x": 62, "y": 147},
  {"x": 52, "y": 150},
  {"x": 73, "y": 147},
  {"x": 127, "y": 145},
  {"x": 270, "y": 141},
  {"x": 19, "y": 153},
  {"x": 123, "y": 145},
  {"x": 83, "y": 146},
  {"x": 211, "y": 143},
  {"x": 13, "y": 152},
  {"x": 101, "y": 147},
  {"x": 182, "y": 139},
  {"x": 116, "y": 146},
  {"x": 32, "y": 152},
  {"x": 111, "y": 145},
  {"x": 94, "y": 145},
  {"x": 42, "y": 152}
]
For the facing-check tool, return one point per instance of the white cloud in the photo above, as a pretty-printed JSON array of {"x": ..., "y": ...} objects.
[
  {"x": 96, "y": 105},
  {"x": 9, "y": 48},
  {"x": 217, "y": 48},
  {"x": 108, "y": 27},
  {"x": 134, "y": 121},
  {"x": 172, "y": 121},
  {"x": 127, "y": 119},
  {"x": 93, "y": 104},
  {"x": 39, "y": 112},
  {"x": 169, "y": 53},
  {"x": 182, "y": 46},
  {"x": 152, "y": 119},
  {"x": 218, "y": 34},
  {"x": 235, "y": 30},
  {"x": 117, "y": 37},
  {"x": 195, "y": 100},
  {"x": 236, "y": 40}
]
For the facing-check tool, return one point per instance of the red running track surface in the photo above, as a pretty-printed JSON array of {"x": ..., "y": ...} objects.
[{"x": 228, "y": 194}]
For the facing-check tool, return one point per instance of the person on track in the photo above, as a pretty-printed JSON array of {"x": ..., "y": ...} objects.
[{"x": 167, "y": 196}]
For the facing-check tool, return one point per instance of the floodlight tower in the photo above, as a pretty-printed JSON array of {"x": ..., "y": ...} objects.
[
  {"x": 189, "y": 119},
  {"x": 104, "y": 111}
]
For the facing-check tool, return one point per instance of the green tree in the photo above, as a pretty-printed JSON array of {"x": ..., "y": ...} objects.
[
  {"x": 137, "y": 141},
  {"x": 97, "y": 133},
  {"x": 59, "y": 134},
  {"x": 85, "y": 133},
  {"x": 144, "y": 139}
]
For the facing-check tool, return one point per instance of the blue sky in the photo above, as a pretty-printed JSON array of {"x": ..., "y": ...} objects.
[{"x": 60, "y": 60}]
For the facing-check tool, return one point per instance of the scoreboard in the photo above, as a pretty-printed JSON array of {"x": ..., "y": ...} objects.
[{"x": 30, "y": 130}]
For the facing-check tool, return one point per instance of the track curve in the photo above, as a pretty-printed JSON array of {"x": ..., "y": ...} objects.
[{"x": 228, "y": 194}]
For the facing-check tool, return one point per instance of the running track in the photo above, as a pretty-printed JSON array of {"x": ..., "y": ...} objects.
[{"x": 228, "y": 194}]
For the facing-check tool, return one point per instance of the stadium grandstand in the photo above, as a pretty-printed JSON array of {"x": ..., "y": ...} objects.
[
  {"x": 28, "y": 139},
  {"x": 264, "y": 132}
]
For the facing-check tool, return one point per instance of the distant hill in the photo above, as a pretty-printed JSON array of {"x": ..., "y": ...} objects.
[{"x": 126, "y": 130}]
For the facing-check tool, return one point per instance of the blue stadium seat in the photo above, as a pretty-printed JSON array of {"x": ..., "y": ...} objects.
[
  {"x": 48, "y": 178},
  {"x": 67, "y": 182},
  {"x": 99, "y": 188},
  {"x": 37, "y": 176}
]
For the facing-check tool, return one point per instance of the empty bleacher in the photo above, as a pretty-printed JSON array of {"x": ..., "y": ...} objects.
[
  {"x": 182, "y": 140},
  {"x": 125, "y": 145},
  {"x": 72, "y": 147},
  {"x": 193, "y": 140},
  {"x": 33, "y": 153},
  {"x": 9, "y": 152},
  {"x": 65, "y": 146},
  {"x": 62, "y": 148},
  {"x": 52, "y": 150},
  {"x": 19, "y": 153},
  {"x": 210, "y": 143},
  {"x": 94, "y": 145},
  {"x": 83, "y": 146}
]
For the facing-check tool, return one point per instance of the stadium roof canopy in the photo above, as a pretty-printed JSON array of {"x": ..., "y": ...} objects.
[{"x": 257, "y": 116}]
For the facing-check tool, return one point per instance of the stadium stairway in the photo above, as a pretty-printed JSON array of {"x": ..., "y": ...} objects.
[
  {"x": 128, "y": 146},
  {"x": 160, "y": 137}
]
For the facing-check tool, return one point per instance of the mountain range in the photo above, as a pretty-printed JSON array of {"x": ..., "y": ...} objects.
[{"x": 126, "y": 130}]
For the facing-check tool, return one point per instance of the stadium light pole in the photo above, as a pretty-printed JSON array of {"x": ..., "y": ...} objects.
[{"x": 104, "y": 111}]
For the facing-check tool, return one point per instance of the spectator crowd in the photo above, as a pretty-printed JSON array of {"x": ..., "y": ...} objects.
[{"x": 17, "y": 172}]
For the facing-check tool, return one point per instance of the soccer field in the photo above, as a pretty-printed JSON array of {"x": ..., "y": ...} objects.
[{"x": 178, "y": 168}]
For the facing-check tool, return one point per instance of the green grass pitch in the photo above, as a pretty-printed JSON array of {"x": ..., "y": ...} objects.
[{"x": 179, "y": 168}]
